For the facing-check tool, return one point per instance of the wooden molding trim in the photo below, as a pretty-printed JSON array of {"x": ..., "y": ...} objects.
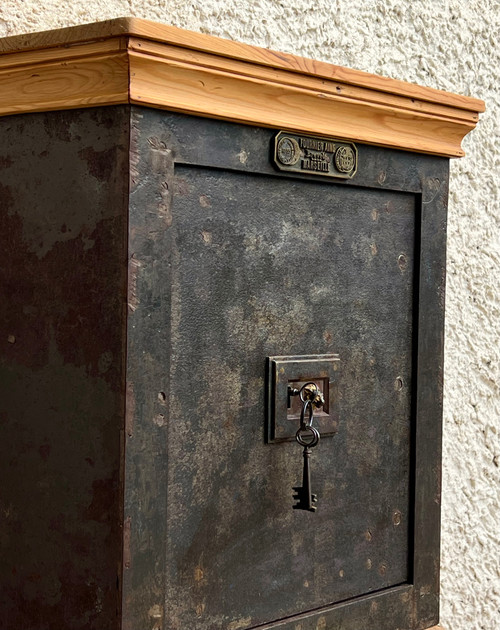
[{"x": 136, "y": 61}]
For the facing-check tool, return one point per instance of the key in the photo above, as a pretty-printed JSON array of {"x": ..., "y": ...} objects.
[
  {"x": 308, "y": 437},
  {"x": 304, "y": 497}
]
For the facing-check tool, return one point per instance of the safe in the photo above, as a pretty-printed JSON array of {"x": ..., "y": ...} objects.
[{"x": 222, "y": 328}]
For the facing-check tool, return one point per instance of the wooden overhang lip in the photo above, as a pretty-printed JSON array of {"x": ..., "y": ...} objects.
[{"x": 131, "y": 60}]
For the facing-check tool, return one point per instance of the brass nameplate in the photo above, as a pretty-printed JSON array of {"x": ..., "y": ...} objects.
[{"x": 317, "y": 156}]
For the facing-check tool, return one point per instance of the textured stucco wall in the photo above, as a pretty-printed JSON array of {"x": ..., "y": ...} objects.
[{"x": 448, "y": 44}]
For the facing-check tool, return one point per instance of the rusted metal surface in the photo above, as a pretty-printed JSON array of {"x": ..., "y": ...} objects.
[
  {"x": 174, "y": 241},
  {"x": 254, "y": 263},
  {"x": 63, "y": 194},
  {"x": 148, "y": 405}
]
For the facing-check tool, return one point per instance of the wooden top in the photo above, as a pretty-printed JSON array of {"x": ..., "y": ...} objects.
[{"x": 130, "y": 60}]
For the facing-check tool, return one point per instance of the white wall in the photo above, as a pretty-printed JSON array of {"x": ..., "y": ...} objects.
[{"x": 448, "y": 44}]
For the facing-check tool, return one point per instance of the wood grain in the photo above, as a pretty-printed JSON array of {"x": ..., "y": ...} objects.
[
  {"x": 148, "y": 30},
  {"x": 346, "y": 91},
  {"x": 137, "y": 61},
  {"x": 86, "y": 76},
  {"x": 207, "y": 92}
]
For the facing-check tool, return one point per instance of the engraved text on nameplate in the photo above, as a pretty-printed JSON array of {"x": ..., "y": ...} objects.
[{"x": 320, "y": 156}]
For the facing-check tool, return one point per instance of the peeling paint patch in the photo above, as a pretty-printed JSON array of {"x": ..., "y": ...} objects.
[
  {"x": 243, "y": 156},
  {"x": 321, "y": 623},
  {"x": 164, "y": 207},
  {"x": 241, "y": 623},
  {"x": 159, "y": 420},
  {"x": 207, "y": 237},
  {"x": 156, "y": 611},
  {"x": 133, "y": 268},
  {"x": 198, "y": 574}
]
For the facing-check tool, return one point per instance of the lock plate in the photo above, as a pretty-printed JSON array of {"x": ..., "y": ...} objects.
[{"x": 283, "y": 411}]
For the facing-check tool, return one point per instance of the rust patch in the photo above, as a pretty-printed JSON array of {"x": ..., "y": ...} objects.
[
  {"x": 205, "y": 201},
  {"x": 6, "y": 200},
  {"x": 103, "y": 497},
  {"x": 44, "y": 451},
  {"x": 134, "y": 158},
  {"x": 59, "y": 126},
  {"x": 59, "y": 299},
  {"x": 100, "y": 163},
  {"x": 5, "y": 161},
  {"x": 198, "y": 574},
  {"x": 63, "y": 276},
  {"x": 127, "y": 533},
  {"x": 129, "y": 409}
]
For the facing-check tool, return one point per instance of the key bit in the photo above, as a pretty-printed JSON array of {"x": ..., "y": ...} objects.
[{"x": 304, "y": 497}]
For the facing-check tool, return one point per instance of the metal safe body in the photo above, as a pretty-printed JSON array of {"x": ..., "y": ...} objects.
[
  {"x": 230, "y": 262},
  {"x": 156, "y": 266}
]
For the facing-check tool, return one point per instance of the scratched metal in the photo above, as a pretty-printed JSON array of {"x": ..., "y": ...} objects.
[
  {"x": 63, "y": 186},
  {"x": 253, "y": 263},
  {"x": 143, "y": 493}
]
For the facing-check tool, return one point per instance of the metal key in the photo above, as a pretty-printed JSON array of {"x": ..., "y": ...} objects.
[
  {"x": 304, "y": 497},
  {"x": 308, "y": 437}
]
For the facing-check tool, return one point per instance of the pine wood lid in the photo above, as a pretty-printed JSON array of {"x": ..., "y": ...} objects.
[{"x": 130, "y": 60}]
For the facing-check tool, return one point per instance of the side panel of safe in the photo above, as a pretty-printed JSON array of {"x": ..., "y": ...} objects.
[
  {"x": 231, "y": 262},
  {"x": 63, "y": 221}
]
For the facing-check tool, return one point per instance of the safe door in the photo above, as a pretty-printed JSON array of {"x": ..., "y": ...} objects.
[{"x": 254, "y": 264}]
